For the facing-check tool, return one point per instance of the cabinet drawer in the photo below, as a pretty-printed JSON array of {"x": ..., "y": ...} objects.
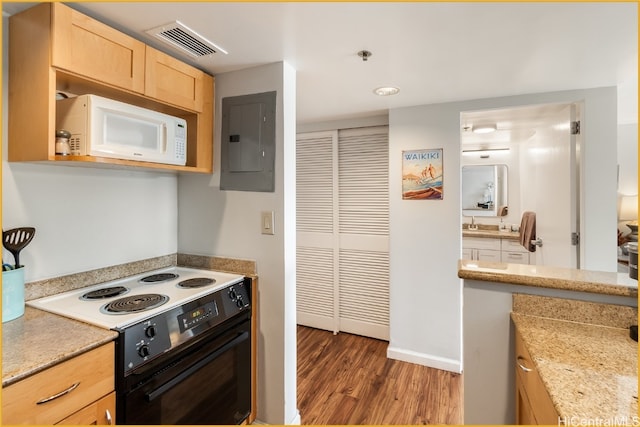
[
  {"x": 515, "y": 257},
  {"x": 173, "y": 81},
  {"x": 90, "y": 48},
  {"x": 488, "y": 255},
  {"x": 481, "y": 243},
  {"x": 542, "y": 407},
  {"x": 93, "y": 372},
  {"x": 513, "y": 246}
]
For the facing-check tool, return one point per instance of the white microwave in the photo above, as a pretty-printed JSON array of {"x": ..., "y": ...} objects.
[{"x": 103, "y": 127}]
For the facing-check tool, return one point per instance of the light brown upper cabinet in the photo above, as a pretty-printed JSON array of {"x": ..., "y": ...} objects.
[
  {"x": 173, "y": 81},
  {"x": 53, "y": 48},
  {"x": 90, "y": 48}
]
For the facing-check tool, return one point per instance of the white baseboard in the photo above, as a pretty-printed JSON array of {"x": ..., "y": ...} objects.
[
  {"x": 431, "y": 361},
  {"x": 296, "y": 421}
]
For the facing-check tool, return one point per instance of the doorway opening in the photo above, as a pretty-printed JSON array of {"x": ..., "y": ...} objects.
[{"x": 539, "y": 147}]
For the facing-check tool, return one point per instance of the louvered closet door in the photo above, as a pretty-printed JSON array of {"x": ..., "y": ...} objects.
[
  {"x": 363, "y": 188},
  {"x": 343, "y": 231},
  {"x": 315, "y": 265}
]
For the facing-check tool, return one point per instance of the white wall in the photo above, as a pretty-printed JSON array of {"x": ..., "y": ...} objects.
[
  {"x": 227, "y": 223},
  {"x": 628, "y": 158},
  {"x": 85, "y": 218},
  {"x": 425, "y": 238}
]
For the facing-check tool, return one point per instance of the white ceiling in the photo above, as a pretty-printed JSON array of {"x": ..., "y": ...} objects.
[{"x": 434, "y": 52}]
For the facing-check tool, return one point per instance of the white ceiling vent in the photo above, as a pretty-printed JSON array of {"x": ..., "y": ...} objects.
[{"x": 183, "y": 38}]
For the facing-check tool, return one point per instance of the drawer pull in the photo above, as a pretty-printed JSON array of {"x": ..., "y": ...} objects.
[
  {"x": 109, "y": 419},
  {"x": 55, "y": 396},
  {"x": 521, "y": 366}
]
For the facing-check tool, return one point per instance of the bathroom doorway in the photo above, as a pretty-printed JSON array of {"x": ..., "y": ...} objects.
[{"x": 540, "y": 146}]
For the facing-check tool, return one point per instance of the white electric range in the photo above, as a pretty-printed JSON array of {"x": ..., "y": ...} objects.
[{"x": 119, "y": 303}]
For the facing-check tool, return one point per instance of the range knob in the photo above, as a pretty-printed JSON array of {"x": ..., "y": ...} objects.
[
  {"x": 232, "y": 293},
  {"x": 143, "y": 351},
  {"x": 239, "y": 302},
  {"x": 150, "y": 332}
]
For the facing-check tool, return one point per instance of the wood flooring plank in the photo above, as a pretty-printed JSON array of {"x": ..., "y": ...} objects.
[{"x": 347, "y": 379}]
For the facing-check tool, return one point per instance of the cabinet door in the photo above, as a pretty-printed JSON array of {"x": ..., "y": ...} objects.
[
  {"x": 102, "y": 412},
  {"x": 524, "y": 413},
  {"x": 92, "y": 49},
  {"x": 541, "y": 407},
  {"x": 488, "y": 255},
  {"x": 173, "y": 81}
]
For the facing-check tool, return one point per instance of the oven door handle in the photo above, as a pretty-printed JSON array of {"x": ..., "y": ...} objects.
[{"x": 152, "y": 395}]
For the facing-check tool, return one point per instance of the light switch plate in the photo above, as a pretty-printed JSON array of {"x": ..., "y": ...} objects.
[{"x": 267, "y": 222}]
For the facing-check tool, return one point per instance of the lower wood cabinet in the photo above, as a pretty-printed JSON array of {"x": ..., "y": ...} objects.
[
  {"x": 102, "y": 412},
  {"x": 533, "y": 403},
  {"x": 77, "y": 391}
]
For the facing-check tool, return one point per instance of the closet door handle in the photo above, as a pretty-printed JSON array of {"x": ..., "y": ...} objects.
[
  {"x": 519, "y": 361},
  {"x": 57, "y": 395}
]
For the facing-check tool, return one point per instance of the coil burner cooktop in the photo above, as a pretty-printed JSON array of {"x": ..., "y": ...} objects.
[{"x": 122, "y": 302}]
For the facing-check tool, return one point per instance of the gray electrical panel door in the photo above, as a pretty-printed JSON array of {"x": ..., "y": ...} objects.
[{"x": 248, "y": 142}]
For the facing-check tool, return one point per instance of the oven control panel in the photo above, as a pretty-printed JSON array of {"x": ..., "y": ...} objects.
[
  {"x": 145, "y": 340},
  {"x": 197, "y": 316},
  {"x": 237, "y": 298}
]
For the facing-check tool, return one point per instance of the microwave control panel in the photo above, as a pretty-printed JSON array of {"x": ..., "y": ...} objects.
[{"x": 181, "y": 141}]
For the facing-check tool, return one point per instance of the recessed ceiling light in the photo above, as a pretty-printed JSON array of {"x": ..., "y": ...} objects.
[
  {"x": 484, "y": 128},
  {"x": 386, "y": 91}
]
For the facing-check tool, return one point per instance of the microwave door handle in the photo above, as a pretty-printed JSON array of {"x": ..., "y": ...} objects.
[{"x": 164, "y": 137}]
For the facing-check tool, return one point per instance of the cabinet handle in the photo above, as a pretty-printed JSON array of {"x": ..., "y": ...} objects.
[
  {"x": 57, "y": 395},
  {"x": 108, "y": 415},
  {"x": 521, "y": 366}
]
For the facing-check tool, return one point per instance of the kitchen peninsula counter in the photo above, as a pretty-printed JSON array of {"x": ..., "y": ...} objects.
[
  {"x": 541, "y": 276},
  {"x": 38, "y": 340},
  {"x": 589, "y": 371},
  {"x": 488, "y": 331}
]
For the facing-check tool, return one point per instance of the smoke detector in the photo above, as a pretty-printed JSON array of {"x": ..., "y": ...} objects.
[{"x": 180, "y": 37}]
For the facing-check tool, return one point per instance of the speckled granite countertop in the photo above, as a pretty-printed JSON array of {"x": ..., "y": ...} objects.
[
  {"x": 589, "y": 371},
  {"x": 598, "y": 282},
  {"x": 39, "y": 340}
]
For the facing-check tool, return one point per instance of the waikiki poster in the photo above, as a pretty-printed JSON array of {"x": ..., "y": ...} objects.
[{"x": 422, "y": 175}]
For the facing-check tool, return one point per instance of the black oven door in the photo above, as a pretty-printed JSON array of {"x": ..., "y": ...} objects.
[{"x": 208, "y": 383}]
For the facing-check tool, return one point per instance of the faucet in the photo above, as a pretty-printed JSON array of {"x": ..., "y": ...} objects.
[{"x": 473, "y": 225}]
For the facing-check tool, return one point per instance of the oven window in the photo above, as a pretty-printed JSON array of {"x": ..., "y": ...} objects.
[{"x": 211, "y": 386}]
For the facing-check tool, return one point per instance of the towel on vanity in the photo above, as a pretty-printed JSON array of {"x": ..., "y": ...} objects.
[{"x": 528, "y": 230}]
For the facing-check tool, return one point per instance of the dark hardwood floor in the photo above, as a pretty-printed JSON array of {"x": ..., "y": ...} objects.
[{"x": 347, "y": 379}]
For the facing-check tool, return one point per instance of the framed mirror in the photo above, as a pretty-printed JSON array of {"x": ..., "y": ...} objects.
[{"x": 484, "y": 190}]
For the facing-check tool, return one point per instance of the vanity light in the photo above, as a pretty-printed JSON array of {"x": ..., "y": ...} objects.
[
  {"x": 484, "y": 128},
  {"x": 386, "y": 91}
]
